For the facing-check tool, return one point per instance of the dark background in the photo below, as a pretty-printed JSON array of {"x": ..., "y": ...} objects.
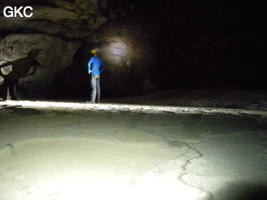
[{"x": 209, "y": 44}]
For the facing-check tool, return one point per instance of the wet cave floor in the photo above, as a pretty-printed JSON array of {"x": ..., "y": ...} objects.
[{"x": 66, "y": 155}]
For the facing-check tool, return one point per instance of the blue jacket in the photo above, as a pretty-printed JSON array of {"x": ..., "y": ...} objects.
[{"x": 95, "y": 64}]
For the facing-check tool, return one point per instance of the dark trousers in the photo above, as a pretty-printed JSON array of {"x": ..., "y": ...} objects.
[
  {"x": 95, "y": 84},
  {"x": 9, "y": 84}
]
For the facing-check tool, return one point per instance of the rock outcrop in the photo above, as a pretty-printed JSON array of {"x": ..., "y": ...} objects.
[
  {"x": 59, "y": 28},
  {"x": 55, "y": 55}
]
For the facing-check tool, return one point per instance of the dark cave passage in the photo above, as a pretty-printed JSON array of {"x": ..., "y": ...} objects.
[
  {"x": 133, "y": 99},
  {"x": 148, "y": 46}
]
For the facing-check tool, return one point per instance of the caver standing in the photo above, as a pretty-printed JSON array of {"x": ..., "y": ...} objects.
[{"x": 95, "y": 68}]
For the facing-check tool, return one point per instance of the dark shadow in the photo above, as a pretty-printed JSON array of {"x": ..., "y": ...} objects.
[
  {"x": 19, "y": 68},
  {"x": 244, "y": 191}
]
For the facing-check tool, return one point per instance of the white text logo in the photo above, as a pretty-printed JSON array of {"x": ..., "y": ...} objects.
[{"x": 15, "y": 11}]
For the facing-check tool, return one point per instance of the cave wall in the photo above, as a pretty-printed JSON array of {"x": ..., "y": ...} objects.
[
  {"x": 146, "y": 45},
  {"x": 58, "y": 28},
  {"x": 55, "y": 55},
  {"x": 65, "y": 31},
  {"x": 127, "y": 48}
]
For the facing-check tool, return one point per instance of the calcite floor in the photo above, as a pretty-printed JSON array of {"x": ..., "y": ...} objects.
[{"x": 81, "y": 155}]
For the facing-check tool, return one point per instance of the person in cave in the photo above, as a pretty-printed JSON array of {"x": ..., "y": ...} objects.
[
  {"x": 13, "y": 71},
  {"x": 95, "y": 68}
]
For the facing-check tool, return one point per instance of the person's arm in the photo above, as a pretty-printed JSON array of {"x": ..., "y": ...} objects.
[{"x": 90, "y": 66}]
